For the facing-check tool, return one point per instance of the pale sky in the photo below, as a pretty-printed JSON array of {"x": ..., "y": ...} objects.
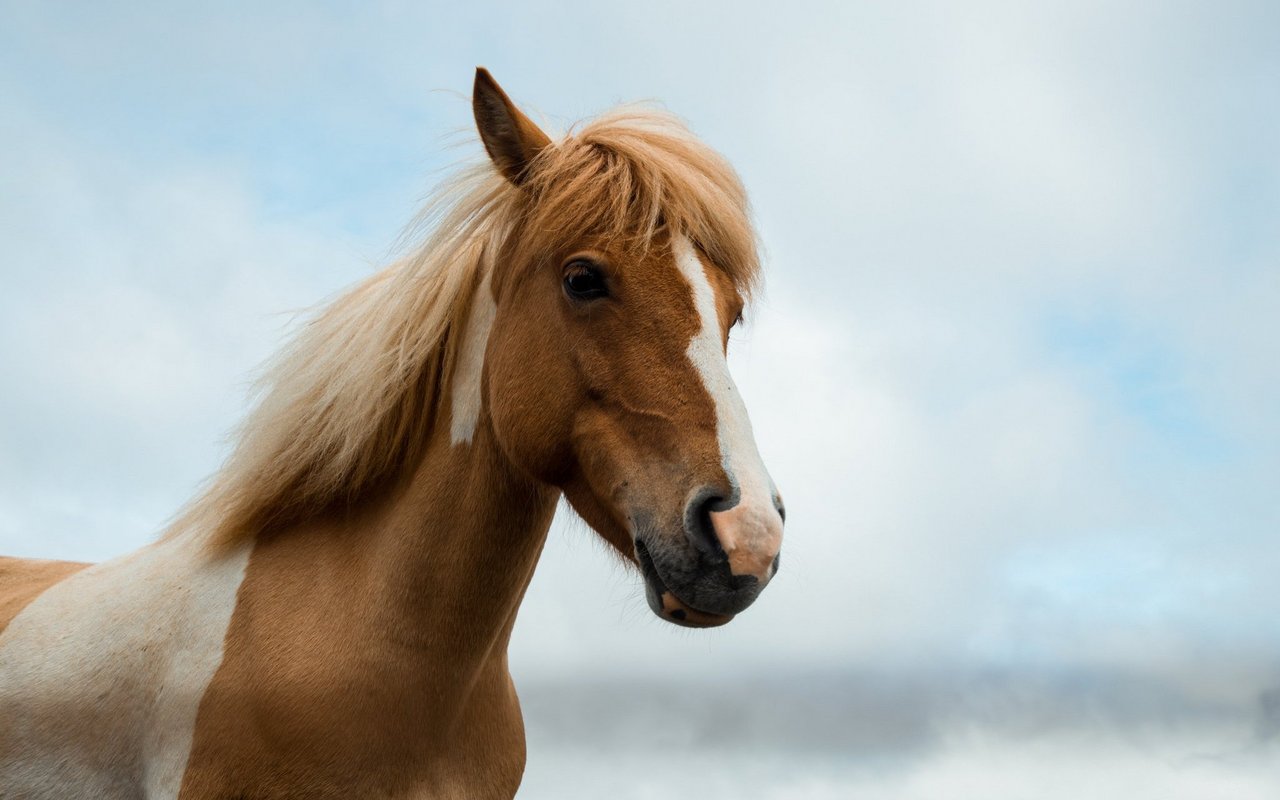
[{"x": 1016, "y": 369}]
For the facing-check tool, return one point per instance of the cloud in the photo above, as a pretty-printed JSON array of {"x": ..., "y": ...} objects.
[
  {"x": 142, "y": 297},
  {"x": 899, "y": 735}
]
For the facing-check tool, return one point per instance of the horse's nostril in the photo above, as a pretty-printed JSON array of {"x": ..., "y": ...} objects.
[{"x": 698, "y": 526}]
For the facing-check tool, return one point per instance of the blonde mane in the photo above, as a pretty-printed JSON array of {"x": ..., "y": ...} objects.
[{"x": 349, "y": 403}]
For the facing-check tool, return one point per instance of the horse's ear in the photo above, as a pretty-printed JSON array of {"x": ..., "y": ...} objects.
[{"x": 510, "y": 137}]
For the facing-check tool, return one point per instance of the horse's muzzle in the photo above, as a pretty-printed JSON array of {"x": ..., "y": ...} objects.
[{"x": 692, "y": 588}]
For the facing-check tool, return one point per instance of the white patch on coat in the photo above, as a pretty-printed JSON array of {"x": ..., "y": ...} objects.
[
  {"x": 467, "y": 380},
  {"x": 102, "y": 674},
  {"x": 755, "y": 516}
]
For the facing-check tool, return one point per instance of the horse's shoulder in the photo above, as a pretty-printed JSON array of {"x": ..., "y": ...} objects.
[{"x": 23, "y": 579}]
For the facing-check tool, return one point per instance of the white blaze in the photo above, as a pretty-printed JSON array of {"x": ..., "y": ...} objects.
[
  {"x": 102, "y": 674},
  {"x": 738, "y": 451}
]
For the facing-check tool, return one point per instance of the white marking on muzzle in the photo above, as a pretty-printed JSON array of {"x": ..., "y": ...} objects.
[
  {"x": 753, "y": 526},
  {"x": 466, "y": 381}
]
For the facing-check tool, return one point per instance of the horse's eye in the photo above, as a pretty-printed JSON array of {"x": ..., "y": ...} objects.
[{"x": 584, "y": 281}]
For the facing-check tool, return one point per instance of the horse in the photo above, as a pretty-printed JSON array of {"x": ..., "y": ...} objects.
[{"x": 329, "y": 616}]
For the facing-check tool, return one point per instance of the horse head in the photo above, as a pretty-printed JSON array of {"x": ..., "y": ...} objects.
[{"x": 630, "y": 258}]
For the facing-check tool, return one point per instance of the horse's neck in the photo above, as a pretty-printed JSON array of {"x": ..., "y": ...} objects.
[
  {"x": 369, "y": 648},
  {"x": 455, "y": 549},
  {"x": 426, "y": 580}
]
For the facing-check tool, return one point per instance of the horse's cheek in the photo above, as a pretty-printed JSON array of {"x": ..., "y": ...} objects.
[{"x": 533, "y": 397}]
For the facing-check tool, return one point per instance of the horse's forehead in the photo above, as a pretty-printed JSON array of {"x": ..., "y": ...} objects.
[
  {"x": 661, "y": 275},
  {"x": 710, "y": 291}
]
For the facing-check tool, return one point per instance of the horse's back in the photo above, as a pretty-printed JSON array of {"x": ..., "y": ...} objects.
[{"x": 23, "y": 579}]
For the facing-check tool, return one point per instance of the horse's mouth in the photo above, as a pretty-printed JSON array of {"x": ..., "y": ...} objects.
[{"x": 665, "y": 603}]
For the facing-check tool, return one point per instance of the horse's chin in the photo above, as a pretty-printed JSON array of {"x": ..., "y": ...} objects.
[{"x": 666, "y": 604}]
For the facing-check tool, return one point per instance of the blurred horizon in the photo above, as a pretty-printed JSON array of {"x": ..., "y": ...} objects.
[
  {"x": 876, "y": 733},
  {"x": 1016, "y": 369}
]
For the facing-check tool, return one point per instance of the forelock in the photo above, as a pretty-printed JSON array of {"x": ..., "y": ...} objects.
[{"x": 625, "y": 176}]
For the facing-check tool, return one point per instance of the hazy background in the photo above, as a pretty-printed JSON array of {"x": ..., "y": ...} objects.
[{"x": 1017, "y": 369}]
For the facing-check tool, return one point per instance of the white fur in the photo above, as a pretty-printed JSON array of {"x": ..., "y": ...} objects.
[
  {"x": 466, "y": 381},
  {"x": 738, "y": 451},
  {"x": 102, "y": 674}
]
